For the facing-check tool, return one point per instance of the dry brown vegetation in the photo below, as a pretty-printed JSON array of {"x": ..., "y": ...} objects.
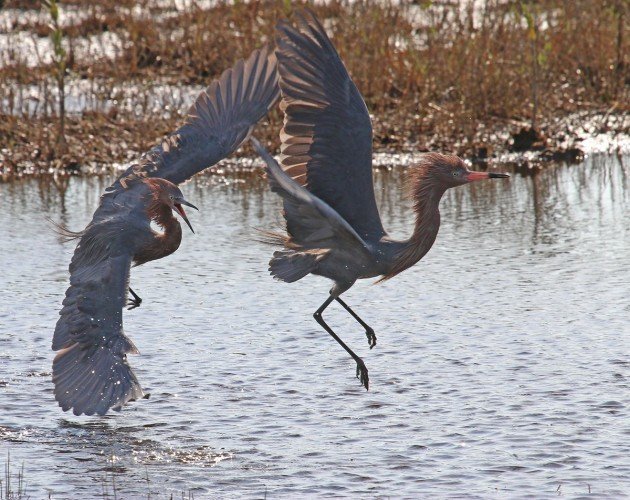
[{"x": 434, "y": 74}]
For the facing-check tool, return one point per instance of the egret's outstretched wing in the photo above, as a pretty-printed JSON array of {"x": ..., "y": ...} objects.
[
  {"x": 311, "y": 223},
  {"x": 218, "y": 122},
  {"x": 327, "y": 134},
  {"x": 91, "y": 373}
]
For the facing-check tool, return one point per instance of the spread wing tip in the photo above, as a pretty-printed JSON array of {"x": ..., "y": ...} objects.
[
  {"x": 93, "y": 380},
  {"x": 217, "y": 123},
  {"x": 243, "y": 94}
]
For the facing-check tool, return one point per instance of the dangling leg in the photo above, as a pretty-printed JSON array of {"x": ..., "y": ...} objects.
[
  {"x": 369, "y": 332},
  {"x": 135, "y": 302},
  {"x": 362, "y": 371}
]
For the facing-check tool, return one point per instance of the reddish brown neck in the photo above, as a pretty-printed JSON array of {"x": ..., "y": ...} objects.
[
  {"x": 426, "y": 194},
  {"x": 162, "y": 214},
  {"x": 163, "y": 244}
]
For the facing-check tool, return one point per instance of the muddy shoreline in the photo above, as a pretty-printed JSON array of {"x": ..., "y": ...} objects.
[{"x": 103, "y": 145}]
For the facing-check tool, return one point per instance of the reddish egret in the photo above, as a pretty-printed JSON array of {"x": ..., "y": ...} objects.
[
  {"x": 333, "y": 225},
  {"x": 91, "y": 373}
]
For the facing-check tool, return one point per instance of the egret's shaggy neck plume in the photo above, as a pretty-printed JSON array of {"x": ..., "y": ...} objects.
[{"x": 426, "y": 191}]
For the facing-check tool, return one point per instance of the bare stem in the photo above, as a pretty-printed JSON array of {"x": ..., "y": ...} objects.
[{"x": 59, "y": 60}]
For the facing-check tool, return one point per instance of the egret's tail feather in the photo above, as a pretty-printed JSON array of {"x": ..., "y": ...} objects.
[
  {"x": 272, "y": 238},
  {"x": 93, "y": 380},
  {"x": 290, "y": 266}
]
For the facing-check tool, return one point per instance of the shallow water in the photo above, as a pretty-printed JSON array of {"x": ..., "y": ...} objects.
[{"x": 501, "y": 367}]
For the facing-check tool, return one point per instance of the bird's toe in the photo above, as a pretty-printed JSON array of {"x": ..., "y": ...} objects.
[
  {"x": 362, "y": 374},
  {"x": 371, "y": 337},
  {"x": 132, "y": 303}
]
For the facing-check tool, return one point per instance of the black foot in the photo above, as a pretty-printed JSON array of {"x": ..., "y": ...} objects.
[
  {"x": 133, "y": 303},
  {"x": 362, "y": 374},
  {"x": 371, "y": 336}
]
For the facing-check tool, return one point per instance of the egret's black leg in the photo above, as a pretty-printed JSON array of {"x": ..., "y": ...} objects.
[
  {"x": 362, "y": 371},
  {"x": 135, "y": 302},
  {"x": 369, "y": 332}
]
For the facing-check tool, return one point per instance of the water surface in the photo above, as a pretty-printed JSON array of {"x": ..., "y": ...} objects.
[{"x": 501, "y": 367}]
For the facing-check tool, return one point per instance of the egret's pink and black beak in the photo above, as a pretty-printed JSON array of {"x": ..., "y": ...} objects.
[
  {"x": 180, "y": 211},
  {"x": 478, "y": 176}
]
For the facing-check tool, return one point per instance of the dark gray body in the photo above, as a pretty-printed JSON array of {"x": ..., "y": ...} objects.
[{"x": 382, "y": 256}]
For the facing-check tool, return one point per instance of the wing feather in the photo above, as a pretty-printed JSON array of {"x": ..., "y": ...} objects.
[
  {"x": 90, "y": 372},
  {"x": 218, "y": 122},
  {"x": 327, "y": 133},
  {"x": 311, "y": 223}
]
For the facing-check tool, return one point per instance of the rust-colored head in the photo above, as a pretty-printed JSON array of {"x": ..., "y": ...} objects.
[
  {"x": 447, "y": 171},
  {"x": 165, "y": 193}
]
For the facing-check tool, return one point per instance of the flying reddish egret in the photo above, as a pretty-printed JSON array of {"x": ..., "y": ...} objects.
[
  {"x": 333, "y": 225},
  {"x": 91, "y": 373}
]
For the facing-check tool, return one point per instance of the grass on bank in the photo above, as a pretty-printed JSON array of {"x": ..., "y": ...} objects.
[{"x": 451, "y": 75}]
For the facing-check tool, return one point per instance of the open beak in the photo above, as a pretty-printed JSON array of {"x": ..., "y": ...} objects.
[
  {"x": 478, "y": 176},
  {"x": 180, "y": 211}
]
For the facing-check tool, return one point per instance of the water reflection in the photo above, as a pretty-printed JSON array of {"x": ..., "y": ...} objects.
[
  {"x": 551, "y": 196},
  {"x": 498, "y": 367}
]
